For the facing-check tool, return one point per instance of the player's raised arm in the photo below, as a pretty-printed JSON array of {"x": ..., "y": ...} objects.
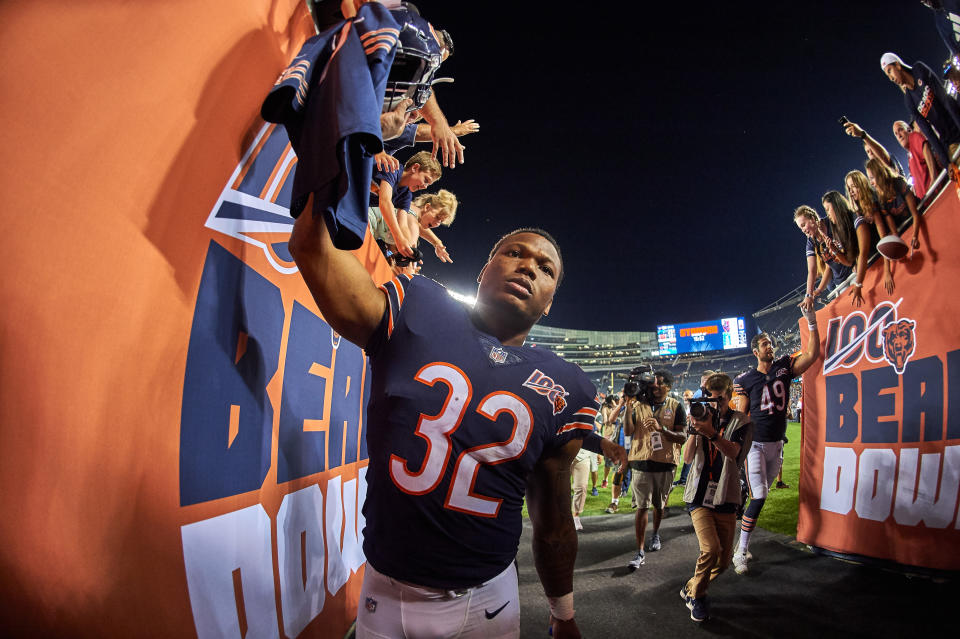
[
  {"x": 740, "y": 400},
  {"x": 341, "y": 287},
  {"x": 812, "y": 351},
  {"x": 554, "y": 537}
]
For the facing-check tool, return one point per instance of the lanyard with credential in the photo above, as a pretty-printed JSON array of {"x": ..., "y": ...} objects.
[{"x": 713, "y": 451}]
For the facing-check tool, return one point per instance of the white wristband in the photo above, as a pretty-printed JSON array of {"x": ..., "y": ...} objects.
[
  {"x": 812, "y": 327},
  {"x": 858, "y": 284},
  {"x": 562, "y": 607}
]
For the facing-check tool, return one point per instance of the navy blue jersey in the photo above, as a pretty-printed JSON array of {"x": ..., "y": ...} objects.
[
  {"x": 329, "y": 99},
  {"x": 456, "y": 422},
  {"x": 769, "y": 395}
]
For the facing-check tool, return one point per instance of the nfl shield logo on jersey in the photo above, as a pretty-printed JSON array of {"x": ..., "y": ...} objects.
[
  {"x": 498, "y": 355},
  {"x": 371, "y": 605}
]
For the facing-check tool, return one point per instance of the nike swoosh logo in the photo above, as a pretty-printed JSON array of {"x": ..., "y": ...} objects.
[{"x": 491, "y": 615}]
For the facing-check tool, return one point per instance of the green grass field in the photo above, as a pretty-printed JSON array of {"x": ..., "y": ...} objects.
[{"x": 779, "y": 513}]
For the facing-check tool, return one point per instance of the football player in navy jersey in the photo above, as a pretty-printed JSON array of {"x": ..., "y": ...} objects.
[
  {"x": 462, "y": 422},
  {"x": 765, "y": 392}
]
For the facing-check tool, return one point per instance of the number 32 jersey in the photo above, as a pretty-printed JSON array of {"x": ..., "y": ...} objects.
[
  {"x": 769, "y": 395},
  {"x": 456, "y": 422}
]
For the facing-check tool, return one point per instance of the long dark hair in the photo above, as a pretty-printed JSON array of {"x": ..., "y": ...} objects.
[{"x": 842, "y": 231}]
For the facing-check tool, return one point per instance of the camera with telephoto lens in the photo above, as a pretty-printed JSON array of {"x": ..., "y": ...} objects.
[
  {"x": 639, "y": 383},
  {"x": 701, "y": 409}
]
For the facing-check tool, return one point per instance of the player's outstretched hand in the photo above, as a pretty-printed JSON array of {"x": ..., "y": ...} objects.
[
  {"x": 614, "y": 452},
  {"x": 888, "y": 283},
  {"x": 809, "y": 314},
  {"x": 445, "y": 141},
  {"x": 386, "y": 163},
  {"x": 564, "y": 629}
]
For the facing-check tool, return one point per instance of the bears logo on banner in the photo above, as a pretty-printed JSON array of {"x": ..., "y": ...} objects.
[
  {"x": 881, "y": 432},
  {"x": 272, "y": 405}
]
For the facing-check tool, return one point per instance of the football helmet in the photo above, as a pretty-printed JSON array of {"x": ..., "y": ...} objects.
[{"x": 417, "y": 60}]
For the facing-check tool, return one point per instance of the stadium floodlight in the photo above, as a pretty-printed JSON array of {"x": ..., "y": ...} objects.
[{"x": 469, "y": 300}]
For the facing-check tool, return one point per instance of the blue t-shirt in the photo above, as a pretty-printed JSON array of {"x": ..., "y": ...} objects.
[
  {"x": 402, "y": 197},
  {"x": 456, "y": 423}
]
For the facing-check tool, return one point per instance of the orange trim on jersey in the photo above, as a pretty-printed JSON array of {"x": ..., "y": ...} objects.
[
  {"x": 435, "y": 36},
  {"x": 381, "y": 31},
  {"x": 383, "y": 287},
  {"x": 400, "y": 290},
  {"x": 586, "y": 410},
  {"x": 575, "y": 426}
]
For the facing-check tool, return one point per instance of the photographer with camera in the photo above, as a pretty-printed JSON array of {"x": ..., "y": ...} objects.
[
  {"x": 656, "y": 424},
  {"x": 718, "y": 441}
]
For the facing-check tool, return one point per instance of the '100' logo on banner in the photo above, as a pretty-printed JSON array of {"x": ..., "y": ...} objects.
[{"x": 890, "y": 410}]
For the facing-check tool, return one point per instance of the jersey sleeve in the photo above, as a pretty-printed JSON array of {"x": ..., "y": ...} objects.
[
  {"x": 396, "y": 294},
  {"x": 583, "y": 408},
  {"x": 810, "y": 250},
  {"x": 738, "y": 389}
]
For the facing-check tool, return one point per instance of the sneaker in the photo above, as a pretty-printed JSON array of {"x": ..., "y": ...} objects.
[
  {"x": 595, "y": 492},
  {"x": 740, "y": 561},
  {"x": 680, "y": 482},
  {"x": 781, "y": 484},
  {"x": 603, "y": 484},
  {"x": 699, "y": 609},
  {"x": 655, "y": 543},
  {"x": 576, "y": 523},
  {"x": 611, "y": 509},
  {"x": 686, "y": 598},
  {"x": 637, "y": 561}
]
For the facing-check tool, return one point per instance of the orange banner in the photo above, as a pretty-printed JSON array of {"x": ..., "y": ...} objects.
[
  {"x": 182, "y": 434},
  {"x": 881, "y": 411}
]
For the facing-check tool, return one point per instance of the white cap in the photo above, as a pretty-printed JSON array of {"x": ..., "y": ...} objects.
[{"x": 889, "y": 58}]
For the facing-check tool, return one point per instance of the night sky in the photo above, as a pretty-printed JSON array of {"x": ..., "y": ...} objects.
[{"x": 665, "y": 145}]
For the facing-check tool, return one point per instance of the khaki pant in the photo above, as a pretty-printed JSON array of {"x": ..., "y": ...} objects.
[
  {"x": 581, "y": 473},
  {"x": 715, "y": 533}
]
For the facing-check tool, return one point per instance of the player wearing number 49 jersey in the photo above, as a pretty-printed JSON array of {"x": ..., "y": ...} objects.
[
  {"x": 765, "y": 392},
  {"x": 463, "y": 422}
]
